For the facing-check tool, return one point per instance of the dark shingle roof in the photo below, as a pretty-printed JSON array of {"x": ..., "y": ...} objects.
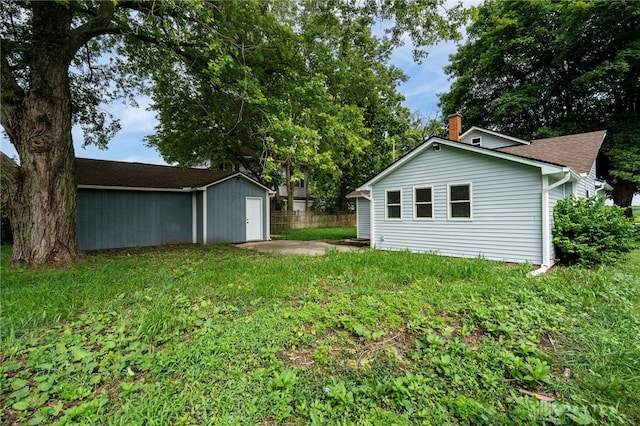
[
  {"x": 576, "y": 151},
  {"x": 138, "y": 175}
]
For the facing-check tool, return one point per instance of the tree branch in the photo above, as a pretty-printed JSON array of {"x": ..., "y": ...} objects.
[
  {"x": 11, "y": 90},
  {"x": 9, "y": 178},
  {"x": 12, "y": 94},
  {"x": 94, "y": 27}
]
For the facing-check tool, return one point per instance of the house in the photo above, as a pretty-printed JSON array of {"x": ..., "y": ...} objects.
[
  {"x": 478, "y": 194},
  {"x": 123, "y": 204},
  {"x": 302, "y": 196}
]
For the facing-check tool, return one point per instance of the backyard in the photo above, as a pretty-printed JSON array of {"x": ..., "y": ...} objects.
[{"x": 219, "y": 335}]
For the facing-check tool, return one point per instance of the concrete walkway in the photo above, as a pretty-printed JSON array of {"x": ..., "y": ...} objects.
[{"x": 294, "y": 247}]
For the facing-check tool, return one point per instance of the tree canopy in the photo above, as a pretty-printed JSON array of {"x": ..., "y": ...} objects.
[
  {"x": 541, "y": 69},
  {"x": 308, "y": 85}
]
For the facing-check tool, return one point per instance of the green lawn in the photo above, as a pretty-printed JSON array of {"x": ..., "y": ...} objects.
[
  {"x": 308, "y": 234},
  {"x": 217, "y": 335}
]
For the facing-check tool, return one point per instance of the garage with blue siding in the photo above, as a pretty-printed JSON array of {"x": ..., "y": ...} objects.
[{"x": 133, "y": 205}]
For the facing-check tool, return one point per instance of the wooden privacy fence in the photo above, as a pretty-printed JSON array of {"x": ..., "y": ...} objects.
[{"x": 300, "y": 219}]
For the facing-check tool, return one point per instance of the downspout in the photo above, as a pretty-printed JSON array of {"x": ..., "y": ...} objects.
[
  {"x": 372, "y": 226},
  {"x": 546, "y": 225},
  {"x": 268, "y": 213}
]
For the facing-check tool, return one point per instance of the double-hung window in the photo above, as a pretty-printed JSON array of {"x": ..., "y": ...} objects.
[
  {"x": 459, "y": 195},
  {"x": 393, "y": 204},
  {"x": 423, "y": 202}
]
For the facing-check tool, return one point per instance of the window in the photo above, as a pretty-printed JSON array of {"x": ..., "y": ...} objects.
[
  {"x": 394, "y": 206},
  {"x": 460, "y": 201},
  {"x": 476, "y": 141},
  {"x": 299, "y": 183},
  {"x": 423, "y": 203}
]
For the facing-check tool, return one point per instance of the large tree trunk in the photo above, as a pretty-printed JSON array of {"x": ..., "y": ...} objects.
[
  {"x": 623, "y": 192},
  {"x": 40, "y": 193}
]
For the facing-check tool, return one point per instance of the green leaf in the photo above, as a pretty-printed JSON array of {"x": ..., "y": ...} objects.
[
  {"x": 18, "y": 383},
  {"x": 20, "y": 405},
  {"x": 78, "y": 354}
]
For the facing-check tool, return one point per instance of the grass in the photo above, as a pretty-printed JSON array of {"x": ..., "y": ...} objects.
[
  {"x": 308, "y": 234},
  {"x": 218, "y": 335}
]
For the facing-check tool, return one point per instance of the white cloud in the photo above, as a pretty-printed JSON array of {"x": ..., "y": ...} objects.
[{"x": 135, "y": 119}]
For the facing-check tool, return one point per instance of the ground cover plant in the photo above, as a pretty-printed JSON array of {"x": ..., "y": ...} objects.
[
  {"x": 219, "y": 335},
  {"x": 333, "y": 234}
]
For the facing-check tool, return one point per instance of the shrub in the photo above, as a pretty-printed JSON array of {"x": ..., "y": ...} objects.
[{"x": 588, "y": 232}]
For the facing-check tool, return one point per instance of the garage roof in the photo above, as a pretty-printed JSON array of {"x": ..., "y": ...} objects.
[{"x": 91, "y": 172}]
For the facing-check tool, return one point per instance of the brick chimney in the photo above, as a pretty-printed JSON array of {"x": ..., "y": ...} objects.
[{"x": 455, "y": 126}]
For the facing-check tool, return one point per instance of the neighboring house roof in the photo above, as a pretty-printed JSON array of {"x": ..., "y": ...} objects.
[
  {"x": 105, "y": 173},
  {"x": 491, "y": 132},
  {"x": 576, "y": 151}
]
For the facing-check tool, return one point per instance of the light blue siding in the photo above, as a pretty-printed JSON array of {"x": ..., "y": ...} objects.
[
  {"x": 555, "y": 195},
  {"x": 363, "y": 217},
  {"x": 488, "y": 140},
  {"x": 115, "y": 219},
  {"x": 587, "y": 185},
  {"x": 506, "y": 207},
  {"x": 226, "y": 210}
]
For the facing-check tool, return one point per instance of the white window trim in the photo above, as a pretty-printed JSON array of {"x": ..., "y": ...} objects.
[
  {"x": 415, "y": 207},
  {"x": 479, "y": 141},
  {"x": 386, "y": 205},
  {"x": 462, "y": 219}
]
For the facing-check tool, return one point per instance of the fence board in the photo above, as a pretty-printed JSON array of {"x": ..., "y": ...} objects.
[{"x": 301, "y": 219}]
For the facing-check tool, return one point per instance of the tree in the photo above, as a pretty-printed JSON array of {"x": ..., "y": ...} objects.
[
  {"x": 315, "y": 92},
  {"x": 50, "y": 79},
  {"x": 541, "y": 69}
]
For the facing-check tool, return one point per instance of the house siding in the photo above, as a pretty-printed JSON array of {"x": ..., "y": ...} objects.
[
  {"x": 363, "y": 217},
  {"x": 506, "y": 207},
  {"x": 226, "y": 210},
  {"x": 489, "y": 141},
  {"x": 555, "y": 195},
  {"x": 199, "y": 222},
  {"x": 587, "y": 185},
  {"x": 120, "y": 218}
]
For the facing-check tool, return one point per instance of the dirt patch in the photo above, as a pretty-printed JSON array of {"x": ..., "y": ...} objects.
[
  {"x": 350, "y": 353},
  {"x": 294, "y": 247},
  {"x": 548, "y": 344}
]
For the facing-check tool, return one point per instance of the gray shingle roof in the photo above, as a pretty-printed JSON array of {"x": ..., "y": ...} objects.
[
  {"x": 138, "y": 175},
  {"x": 576, "y": 151}
]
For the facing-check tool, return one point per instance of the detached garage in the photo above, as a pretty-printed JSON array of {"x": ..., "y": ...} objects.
[{"x": 131, "y": 205}]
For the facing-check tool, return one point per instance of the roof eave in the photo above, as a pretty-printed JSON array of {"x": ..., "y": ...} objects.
[
  {"x": 238, "y": 175},
  {"x": 491, "y": 132},
  {"x": 135, "y": 188}
]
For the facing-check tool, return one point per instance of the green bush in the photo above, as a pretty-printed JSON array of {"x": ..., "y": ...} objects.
[{"x": 588, "y": 232}]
